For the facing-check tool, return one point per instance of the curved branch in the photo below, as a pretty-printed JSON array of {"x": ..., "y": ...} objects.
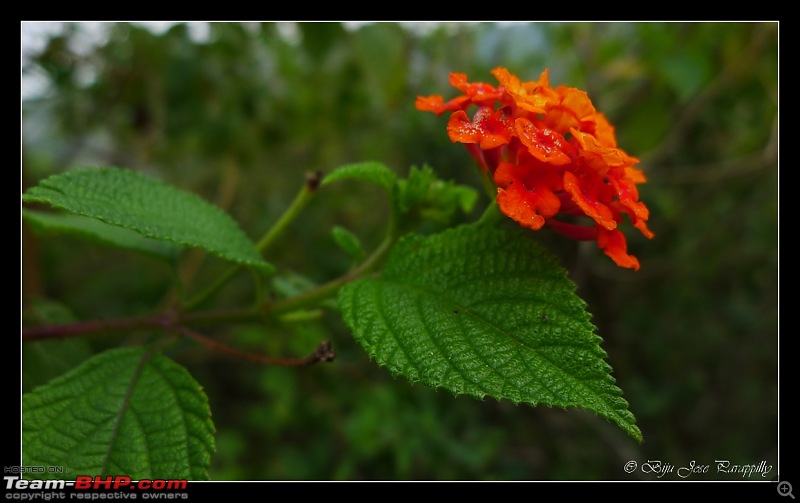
[{"x": 323, "y": 353}]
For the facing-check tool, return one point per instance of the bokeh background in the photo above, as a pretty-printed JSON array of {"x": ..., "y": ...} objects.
[{"x": 239, "y": 112}]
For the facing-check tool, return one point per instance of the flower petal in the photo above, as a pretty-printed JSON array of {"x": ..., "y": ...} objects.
[
  {"x": 585, "y": 195},
  {"x": 601, "y": 157},
  {"x": 533, "y": 97},
  {"x": 525, "y": 195},
  {"x": 544, "y": 144},
  {"x": 478, "y": 93},
  {"x": 613, "y": 244},
  {"x": 436, "y": 104},
  {"x": 489, "y": 129}
]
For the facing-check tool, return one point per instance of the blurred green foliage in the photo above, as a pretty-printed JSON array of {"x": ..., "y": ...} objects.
[{"x": 239, "y": 114}]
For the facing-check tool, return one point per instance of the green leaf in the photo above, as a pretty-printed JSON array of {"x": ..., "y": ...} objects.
[
  {"x": 369, "y": 171},
  {"x": 433, "y": 198},
  {"x": 127, "y": 412},
  {"x": 484, "y": 311},
  {"x": 47, "y": 359},
  {"x": 99, "y": 231},
  {"x": 131, "y": 200},
  {"x": 348, "y": 242}
]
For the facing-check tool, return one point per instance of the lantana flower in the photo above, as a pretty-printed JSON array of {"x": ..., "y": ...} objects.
[{"x": 552, "y": 157}]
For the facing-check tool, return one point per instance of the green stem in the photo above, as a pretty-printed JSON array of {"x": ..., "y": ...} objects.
[
  {"x": 211, "y": 290},
  {"x": 300, "y": 201},
  {"x": 294, "y": 209},
  {"x": 488, "y": 184},
  {"x": 492, "y": 215},
  {"x": 322, "y": 292}
]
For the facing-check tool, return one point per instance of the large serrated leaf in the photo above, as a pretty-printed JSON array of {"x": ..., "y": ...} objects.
[
  {"x": 99, "y": 231},
  {"x": 131, "y": 200},
  {"x": 124, "y": 412},
  {"x": 486, "y": 312}
]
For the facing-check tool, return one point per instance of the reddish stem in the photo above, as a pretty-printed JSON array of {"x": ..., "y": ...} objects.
[{"x": 323, "y": 353}]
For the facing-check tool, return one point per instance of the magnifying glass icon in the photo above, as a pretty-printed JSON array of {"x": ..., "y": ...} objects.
[{"x": 785, "y": 489}]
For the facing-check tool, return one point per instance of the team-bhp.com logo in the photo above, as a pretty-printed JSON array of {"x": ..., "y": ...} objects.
[
  {"x": 123, "y": 482},
  {"x": 119, "y": 483}
]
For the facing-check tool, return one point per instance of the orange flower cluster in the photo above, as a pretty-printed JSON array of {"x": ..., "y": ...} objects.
[{"x": 549, "y": 153}]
